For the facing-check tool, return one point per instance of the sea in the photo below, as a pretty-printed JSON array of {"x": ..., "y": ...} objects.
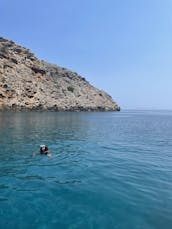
[{"x": 108, "y": 170}]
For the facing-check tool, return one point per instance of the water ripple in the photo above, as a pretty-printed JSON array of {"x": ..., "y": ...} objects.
[{"x": 108, "y": 170}]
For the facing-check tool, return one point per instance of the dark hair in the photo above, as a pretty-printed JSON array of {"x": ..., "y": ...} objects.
[{"x": 46, "y": 149}]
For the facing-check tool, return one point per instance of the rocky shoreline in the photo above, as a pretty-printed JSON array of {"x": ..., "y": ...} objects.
[{"x": 27, "y": 83}]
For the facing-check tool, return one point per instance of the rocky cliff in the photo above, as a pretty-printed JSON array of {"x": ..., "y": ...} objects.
[{"x": 26, "y": 83}]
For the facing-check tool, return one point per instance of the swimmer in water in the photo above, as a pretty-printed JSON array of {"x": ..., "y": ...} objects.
[{"x": 43, "y": 151}]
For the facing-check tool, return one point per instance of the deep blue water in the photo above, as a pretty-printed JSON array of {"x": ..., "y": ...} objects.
[{"x": 108, "y": 170}]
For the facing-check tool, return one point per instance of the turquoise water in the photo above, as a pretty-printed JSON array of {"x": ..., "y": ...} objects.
[{"x": 108, "y": 170}]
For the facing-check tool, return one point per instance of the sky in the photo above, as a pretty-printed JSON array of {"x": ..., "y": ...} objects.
[{"x": 123, "y": 47}]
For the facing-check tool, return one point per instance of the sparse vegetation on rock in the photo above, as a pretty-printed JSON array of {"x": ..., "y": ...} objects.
[
  {"x": 26, "y": 83},
  {"x": 70, "y": 88}
]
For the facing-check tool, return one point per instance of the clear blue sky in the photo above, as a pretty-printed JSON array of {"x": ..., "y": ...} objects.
[{"x": 121, "y": 46}]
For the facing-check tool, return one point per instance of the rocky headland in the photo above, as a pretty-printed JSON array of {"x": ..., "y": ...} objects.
[{"x": 27, "y": 83}]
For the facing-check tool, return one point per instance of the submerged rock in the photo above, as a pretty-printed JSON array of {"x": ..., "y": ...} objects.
[{"x": 26, "y": 83}]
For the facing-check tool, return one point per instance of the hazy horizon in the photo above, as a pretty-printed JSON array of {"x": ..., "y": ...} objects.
[{"x": 121, "y": 47}]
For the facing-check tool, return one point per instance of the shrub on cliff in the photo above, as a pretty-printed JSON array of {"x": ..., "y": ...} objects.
[{"x": 70, "y": 88}]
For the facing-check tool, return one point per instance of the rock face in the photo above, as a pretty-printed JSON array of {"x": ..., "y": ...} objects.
[{"x": 27, "y": 83}]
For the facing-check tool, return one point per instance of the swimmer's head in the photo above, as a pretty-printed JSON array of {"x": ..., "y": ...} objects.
[{"x": 42, "y": 147}]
